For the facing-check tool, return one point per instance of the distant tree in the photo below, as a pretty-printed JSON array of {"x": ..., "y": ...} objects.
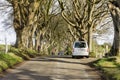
[{"x": 47, "y": 11}]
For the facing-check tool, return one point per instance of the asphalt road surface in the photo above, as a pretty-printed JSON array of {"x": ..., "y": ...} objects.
[{"x": 53, "y": 68}]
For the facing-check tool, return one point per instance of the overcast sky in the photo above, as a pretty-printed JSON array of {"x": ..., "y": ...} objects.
[
  {"x": 5, "y": 20},
  {"x": 107, "y": 31}
]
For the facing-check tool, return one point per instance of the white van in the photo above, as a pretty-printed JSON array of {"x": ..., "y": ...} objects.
[{"x": 80, "y": 48}]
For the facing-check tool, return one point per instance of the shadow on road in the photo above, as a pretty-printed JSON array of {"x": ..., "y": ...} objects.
[
  {"x": 24, "y": 74},
  {"x": 65, "y": 59}
]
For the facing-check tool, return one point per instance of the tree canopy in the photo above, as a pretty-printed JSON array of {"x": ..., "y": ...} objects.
[{"x": 56, "y": 22}]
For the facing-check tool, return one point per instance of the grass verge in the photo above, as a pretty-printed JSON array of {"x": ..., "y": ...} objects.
[
  {"x": 110, "y": 67},
  {"x": 15, "y": 56}
]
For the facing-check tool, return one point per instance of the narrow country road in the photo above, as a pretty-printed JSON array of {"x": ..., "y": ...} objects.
[{"x": 53, "y": 68}]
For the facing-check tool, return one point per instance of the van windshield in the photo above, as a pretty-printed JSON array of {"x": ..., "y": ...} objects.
[{"x": 80, "y": 45}]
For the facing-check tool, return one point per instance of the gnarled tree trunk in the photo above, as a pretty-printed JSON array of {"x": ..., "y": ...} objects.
[{"x": 114, "y": 8}]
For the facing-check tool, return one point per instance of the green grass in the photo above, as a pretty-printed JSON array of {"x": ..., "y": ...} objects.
[
  {"x": 14, "y": 56},
  {"x": 3, "y": 65},
  {"x": 92, "y": 54},
  {"x": 30, "y": 53},
  {"x": 10, "y": 59},
  {"x": 2, "y": 48},
  {"x": 24, "y": 53},
  {"x": 20, "y": 53},
  {"x": 110, "y": 67}
]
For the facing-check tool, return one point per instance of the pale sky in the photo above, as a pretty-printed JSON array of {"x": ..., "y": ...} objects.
[
  {"x": 108, "y": 35},
  {"x": 9, "y": 33}
]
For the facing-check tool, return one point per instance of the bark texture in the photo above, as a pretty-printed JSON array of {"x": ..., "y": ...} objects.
[{"x": 114, "y": 7}]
